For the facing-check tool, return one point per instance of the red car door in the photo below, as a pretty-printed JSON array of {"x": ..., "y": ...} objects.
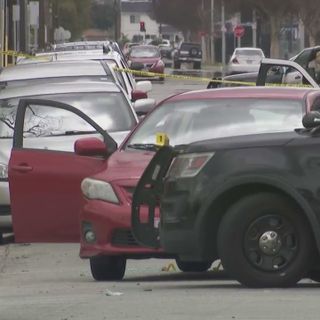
[{"x": 44, "y": 172}]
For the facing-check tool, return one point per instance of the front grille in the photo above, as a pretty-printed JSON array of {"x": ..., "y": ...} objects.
[{"x": 124, "y": 237}]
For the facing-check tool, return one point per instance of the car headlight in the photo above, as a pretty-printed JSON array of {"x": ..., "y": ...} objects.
[
  {"x": 3, "y": 171},
  {"x": 98, "y": 190},
  {"x": 189, "y": 165}
]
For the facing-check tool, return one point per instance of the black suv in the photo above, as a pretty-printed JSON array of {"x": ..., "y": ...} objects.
[
  {"x": 188, "y": 52},
  {"x": 254, "y": 204}
]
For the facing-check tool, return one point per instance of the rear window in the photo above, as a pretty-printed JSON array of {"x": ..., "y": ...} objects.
[
  {"x": 188, "y": 46},
  {"x": 249, "y": 53}
]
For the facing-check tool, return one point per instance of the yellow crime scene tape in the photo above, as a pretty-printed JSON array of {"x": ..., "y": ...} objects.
[
  {"x": 204, "y": 79},
  {"x": 162, "y": 75}
]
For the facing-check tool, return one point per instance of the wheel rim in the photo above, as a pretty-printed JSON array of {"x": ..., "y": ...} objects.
[{"x": 271, "y": 243}]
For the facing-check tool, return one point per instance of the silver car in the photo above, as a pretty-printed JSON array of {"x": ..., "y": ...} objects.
[{"x": 105, "y": 103}]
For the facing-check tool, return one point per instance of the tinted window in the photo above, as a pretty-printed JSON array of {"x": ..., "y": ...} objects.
[
  {"x": 110, "y": 111},
  {"x": 189, "y": 121}
]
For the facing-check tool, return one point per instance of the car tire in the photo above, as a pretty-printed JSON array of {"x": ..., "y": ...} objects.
[
  {"x": 189, "y": 266},
  {"x": 265, "y": 241},
  {"x": 176, "y": 65},
  {"x": 108, "y": 268},
  {"x": 314, "y": 275},
  {"x": 197, "y": 65}
]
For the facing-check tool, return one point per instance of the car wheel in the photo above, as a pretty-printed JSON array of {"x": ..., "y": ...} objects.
[
  {"x": 265, "y": 241},
  {"x": 314, "y": 275},
  {"x": 197, "y": 65},
  {"x": 176, "y": 65},
  {"x": 189, "y": 266},
  {"x": 108, "y": 267}
]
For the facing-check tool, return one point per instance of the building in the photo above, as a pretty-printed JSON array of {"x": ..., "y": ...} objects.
[{"x": 135, "y": 11}]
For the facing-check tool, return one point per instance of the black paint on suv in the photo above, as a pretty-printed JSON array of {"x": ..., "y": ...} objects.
[{"x": 188, "y": 53}]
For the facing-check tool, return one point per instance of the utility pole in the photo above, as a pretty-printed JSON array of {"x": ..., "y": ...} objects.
[
  {"x": 212, "y": 33},
  {"x": 117, "y": 19},
  {"x": 223, "y": 30},
  {"x": 254, "y": 28}
]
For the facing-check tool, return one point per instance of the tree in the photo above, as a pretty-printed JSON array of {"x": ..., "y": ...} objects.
[
  {"x": 309, "y": 13},
  {"x": 274, "y": 12},
  {"x": 102, "y": 15},
  {"x": 182, "y": 14},
  {"x": 72, "y": 15}
]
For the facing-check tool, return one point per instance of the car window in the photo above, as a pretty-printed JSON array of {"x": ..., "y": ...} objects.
[
  {"x": 111, "y": 111},
  {"x": 188, "y": 121},
  {"x": 188, "y": 46},
  {"x": 249, "y": 53},
  {"x": 144, "y": 52},
  {"x": 52, "y": 128},
  {"x": 303, "y": 58},
  {"x": 119, "y": 76}
]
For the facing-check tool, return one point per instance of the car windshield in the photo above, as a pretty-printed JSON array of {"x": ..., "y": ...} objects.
[
  {"x": 189, "y": 121},
  {"x": 144, "y": 52},
  {"x": 188, "y": 46},
  {"x": 111, "y": 111},
  {"x": 249, "y": 53}
]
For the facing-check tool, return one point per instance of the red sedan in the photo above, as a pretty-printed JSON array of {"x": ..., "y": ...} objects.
[
  {"x": 106, "y": 236},
  {"x": 146, "y": 58}
]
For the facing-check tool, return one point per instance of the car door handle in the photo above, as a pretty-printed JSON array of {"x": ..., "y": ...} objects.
[{"x": 22, "y": 168}]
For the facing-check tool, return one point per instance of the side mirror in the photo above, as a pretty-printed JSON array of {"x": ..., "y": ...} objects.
[
  {"x": 144, "y": 106},
  {"x": 90, "y": 147},
  {"x": 138, "y": 95},
  {"x": 311, "y": 120},
  {"x": 145, "y": 86}
]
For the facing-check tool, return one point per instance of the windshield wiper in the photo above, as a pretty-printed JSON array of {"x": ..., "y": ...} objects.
[
  {"x": 71, "y": 132},
  {"x": 144, "y": 146}
]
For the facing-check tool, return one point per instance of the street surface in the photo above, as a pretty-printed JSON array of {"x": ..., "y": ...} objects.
[{"x": 50, "y": 281}]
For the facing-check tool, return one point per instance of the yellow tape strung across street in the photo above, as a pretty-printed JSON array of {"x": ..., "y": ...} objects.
[
  {"x": 162, "y": 75},
  {"x": 181, "y": 77},
  {"x": 207, "y": 80}
]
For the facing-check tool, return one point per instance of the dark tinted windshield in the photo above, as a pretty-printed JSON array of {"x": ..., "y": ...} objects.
[
  {"x": 188, "y": 46},
  {"x": 110, "y": 111},
  {"x": 189, "y": 121}
]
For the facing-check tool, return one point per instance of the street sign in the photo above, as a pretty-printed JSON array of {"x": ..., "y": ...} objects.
[{"x": 239, "y": 31}]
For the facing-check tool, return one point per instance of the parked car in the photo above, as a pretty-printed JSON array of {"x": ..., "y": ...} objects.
[
  {"x": 111, "y": 61},
  {"x": 146, "y": 58},
  {"x": 56, "y": 129},
  {"x": 189, "y": 53},
  {"x": 106, "y": 229},
  {"x": 273, "y": 72},
  {"x": 249, "y": 198},
  {"x": 245, "y": 60},
  {"x": 21, "y": 75},
  {"x": 165, "y": 49}
]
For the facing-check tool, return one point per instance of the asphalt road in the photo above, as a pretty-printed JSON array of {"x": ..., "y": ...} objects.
[{"x": 50, "y": 282}]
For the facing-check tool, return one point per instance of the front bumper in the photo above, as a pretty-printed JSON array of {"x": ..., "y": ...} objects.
[
  {"x": 5, "y": 209},
  {"x": 112, "y": 225},
  {"x": 189, "y": 59}
]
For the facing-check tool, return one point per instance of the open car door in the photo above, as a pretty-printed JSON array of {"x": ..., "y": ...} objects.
[
  {"x": 45, "y": 173},
  {"x": 284, "y": 72},
  {"x": 147, "y": 196}
]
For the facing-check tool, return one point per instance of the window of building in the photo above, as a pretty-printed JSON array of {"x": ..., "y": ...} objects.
[{"x": 134, "y": 18}]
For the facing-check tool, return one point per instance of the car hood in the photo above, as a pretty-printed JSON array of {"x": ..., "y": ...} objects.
[
  {"x": 125, "y": 165},
  {"x": 240, "y": 142}
]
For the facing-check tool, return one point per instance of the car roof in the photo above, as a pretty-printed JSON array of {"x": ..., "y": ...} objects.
[
  {"x": 244, "y": 93},
  {"x": 52, "y": 69},
  {"x": 58, "y": 88},
  {"x": 145, "y": 46}
]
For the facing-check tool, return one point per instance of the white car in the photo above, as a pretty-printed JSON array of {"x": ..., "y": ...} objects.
[{"x": 245, "y": 60}]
